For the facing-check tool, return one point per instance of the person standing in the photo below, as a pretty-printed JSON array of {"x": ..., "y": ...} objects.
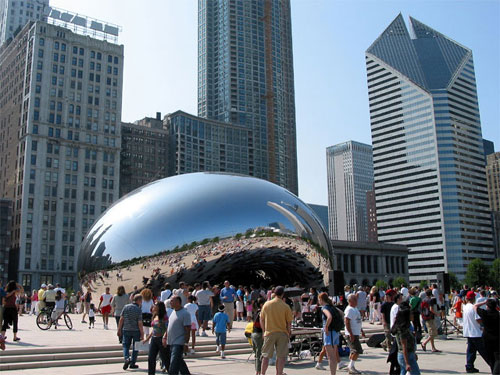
[
  {"x": 228, "y": 296},
  {"x": 166, "y": 293},
  {"x": 491, "y": 323},
  {"x": 430, "y": 313},
  {"x": 415, "y": 303},
  {"x": 105, "y": 306},
  {"x": 179, "y": 327},
  {"x": 220, "y": 327},
  {"x": 120, "y": 299},
  {"x": 472, "y": 331},
  {"x": 192, "y": 308},
  {"x": 330, "y": 336},
  {"x": 87, "y": 298},
  {"x": 2, "y": 296},
  {"x": 276, "y": 321},
  {"x": 353, "y": 330},
  {"x": 205, "y": 304},
  {"x": 131, "y": 329},
  {"x": 146, "y": 307},
  {"x": 158, "y": 336},
  {"x": 386, "y": 319},
  {"x": 41, "y": 302},
  {"x": 405, "y": 341},
  {"x": 257, "y": 334},
  {"x": 361, "y": 294},
  {"x": 10, "y": 316}
]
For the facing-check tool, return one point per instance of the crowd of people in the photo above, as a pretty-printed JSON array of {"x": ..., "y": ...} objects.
[{"x": 171, "y": 320}]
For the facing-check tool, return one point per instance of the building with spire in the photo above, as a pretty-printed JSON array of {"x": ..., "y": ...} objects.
[{"x": 429, "y": 176}]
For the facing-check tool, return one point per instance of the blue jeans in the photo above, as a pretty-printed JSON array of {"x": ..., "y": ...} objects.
[
  {"x": 177, "y": 364},
  {"x": 130, "y": 337},
  {"x": 475, "y": 344},
  {"x": 412, "y": 359}
]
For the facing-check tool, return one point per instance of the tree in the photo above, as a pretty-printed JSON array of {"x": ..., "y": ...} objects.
[
  {"x": 398, "y": 281},
  {"x": 495, "y": 274},
  {"x": 424, "y": 283},
  {"x": 477, "y": 273},
  {"x": 381, "y": 284},
  {"x": 454, "y": 282}
]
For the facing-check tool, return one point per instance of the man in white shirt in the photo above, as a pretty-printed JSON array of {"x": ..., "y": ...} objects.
[
  {"x": 472, "y": 331},
  {"x": 395, "y": 308},
  {"x": 166, "y": 292},
  {"x": 353, "y": 330}
]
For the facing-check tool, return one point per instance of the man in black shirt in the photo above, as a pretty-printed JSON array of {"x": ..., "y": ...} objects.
[
  {"x": 490, "y": 319},
  {"x": 386, "y": 318}
]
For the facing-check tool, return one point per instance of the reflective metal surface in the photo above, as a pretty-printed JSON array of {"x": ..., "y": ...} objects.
[{"x": 209, "y": 226}]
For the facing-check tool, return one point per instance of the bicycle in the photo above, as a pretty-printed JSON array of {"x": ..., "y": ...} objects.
[{"x": 44, "y": 319}]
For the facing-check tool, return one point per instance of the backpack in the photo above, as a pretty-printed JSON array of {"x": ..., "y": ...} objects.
[
  {"x": 427, "y": 313},
  {"x": 337, "y": 323}
]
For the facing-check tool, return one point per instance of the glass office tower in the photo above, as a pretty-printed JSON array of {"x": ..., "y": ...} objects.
[
  {"x": 429, "y": 174},
  {"x": 245, "y": 77}
]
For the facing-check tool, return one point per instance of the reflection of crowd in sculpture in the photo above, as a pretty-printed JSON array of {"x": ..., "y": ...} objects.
[{"x": 170, "y": 264}]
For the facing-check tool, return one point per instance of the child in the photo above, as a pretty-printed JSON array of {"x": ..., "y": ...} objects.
[
  {"x": 220, "y": 324},
  {"x": 249, "y": 310},
  {"x": 192, "y": 309},
  {"x": 457, "y": 308},
  {"x": 58, "y": 308},
  {"x": 91, "y": 315}
]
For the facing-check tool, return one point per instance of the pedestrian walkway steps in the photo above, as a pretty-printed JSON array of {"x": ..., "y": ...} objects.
[{"x": 30, "y": 358}]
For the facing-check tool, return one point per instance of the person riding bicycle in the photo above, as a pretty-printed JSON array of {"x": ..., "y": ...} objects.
[
  {"x": 59, "y": 307},
  {"x": 49, "y": 296}
]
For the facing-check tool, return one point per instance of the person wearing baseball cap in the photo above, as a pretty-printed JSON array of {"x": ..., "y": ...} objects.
[
  {"x": 472, "y": 331},
  {"x": 41, "y": 302}
]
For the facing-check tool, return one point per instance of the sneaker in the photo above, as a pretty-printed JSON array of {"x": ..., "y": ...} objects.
[
  {"x": 352, "y": 370},
  {"x": 191, "y": 351},
  {"x": 197, "y": 333},
  {"x": 133, "y": 365},
  {"x": 319, "y": 366},
  {"x": 217, "y": 349},
  {"x": 126, "y": 363},
  {"x": 204, "y": 334},
  {"x": 342, "y": 365},
  {"x": 83, "y": 321},
  {"x": 222, "y": 355}
]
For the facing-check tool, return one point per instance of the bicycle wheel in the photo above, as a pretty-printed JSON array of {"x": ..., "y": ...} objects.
[
  {"x": 43, "y": 321},
  {"x": 68, "y": 321}
]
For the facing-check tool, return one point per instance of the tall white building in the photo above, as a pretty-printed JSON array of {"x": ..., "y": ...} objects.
[
  {"x": 60, "y": 115},
  {"x": 350, "y": 176},
  {"x": 14, "y": 14},
  {"x": 430, "y": 181}
]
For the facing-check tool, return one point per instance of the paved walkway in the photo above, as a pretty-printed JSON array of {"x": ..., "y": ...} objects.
[{"x": 373, "y": 361}]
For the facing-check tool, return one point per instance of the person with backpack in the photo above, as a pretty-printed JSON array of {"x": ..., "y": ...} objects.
[
  {"x": 405, "y": 341},
  {"x": 429, "y": 312},
  {"x": 332, "y": 325},
  {"x": 415, "y": 311}
]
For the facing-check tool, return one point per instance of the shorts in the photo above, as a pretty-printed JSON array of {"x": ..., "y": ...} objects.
[
  {"x": 296, "y": 307},
  {"x": 220, "y": 338},
  {"x": 194, "y": 326},
  {"x": 278, "y": 340},
  {"x": 431, "y": 327},
  {"x": 106, "y": 309},
  {"x": 355, "y": 345},
  {"x": 331, "y": 339},
  {"x": 239, "y": 306},
  {"x": 87, "y": 307},
  {"x": 204, "y": 313}
]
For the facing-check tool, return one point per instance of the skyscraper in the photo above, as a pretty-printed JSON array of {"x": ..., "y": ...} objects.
[
  {"x": 245, "y": 77},
  {"x": 14, "y": 14},
  {"x": 430, "y": 183},
  {"x": 350, "y": 176},
  {"x": 60, "y": 111}
]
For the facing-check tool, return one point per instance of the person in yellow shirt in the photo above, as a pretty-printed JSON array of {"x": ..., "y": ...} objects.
[
  {"x": 276, "y": 321},
  {"x": 41, "y": 302}
]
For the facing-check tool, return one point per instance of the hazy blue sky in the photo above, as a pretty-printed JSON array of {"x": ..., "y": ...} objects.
[{"x": 329, "y": 41}]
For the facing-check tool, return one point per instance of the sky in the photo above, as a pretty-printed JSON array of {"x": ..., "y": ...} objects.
[{"x": 330, "y": 38}]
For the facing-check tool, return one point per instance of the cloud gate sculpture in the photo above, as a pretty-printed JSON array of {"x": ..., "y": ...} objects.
[{"x": 207, "y": 226}]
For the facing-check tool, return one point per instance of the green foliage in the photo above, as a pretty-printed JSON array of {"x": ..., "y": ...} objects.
[
  {"x": 454, "y": 282},
  {"x": 398, "y": 281},
  {"x": 495, "y": 274},
  {"x": 424, "y": 283},
  {"x": 381, "y": 284},
  {"x": 477, "y": 273}
]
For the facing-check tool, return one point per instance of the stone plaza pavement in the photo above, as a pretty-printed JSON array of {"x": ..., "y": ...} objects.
[{"x": 373, "y": 361}]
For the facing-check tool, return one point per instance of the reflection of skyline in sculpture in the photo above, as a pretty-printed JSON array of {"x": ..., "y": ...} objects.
[{"x": 190, "y": 211}]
